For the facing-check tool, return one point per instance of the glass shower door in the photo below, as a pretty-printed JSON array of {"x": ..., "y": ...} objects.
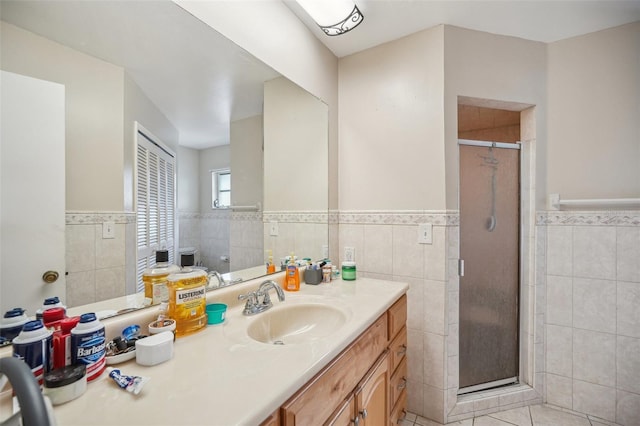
[{"x": 489, "y": 248}]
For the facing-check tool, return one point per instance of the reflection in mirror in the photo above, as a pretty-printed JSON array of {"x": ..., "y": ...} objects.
[{"x": 201, "y": 96}]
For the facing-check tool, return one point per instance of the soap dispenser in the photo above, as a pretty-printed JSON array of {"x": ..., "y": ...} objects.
[
  {"x": 271, "y": 268},
  {"x": 292, "y": 277}
]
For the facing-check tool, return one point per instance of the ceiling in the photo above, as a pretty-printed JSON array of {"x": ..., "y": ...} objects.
[
  {"x": 201, "y": 81},
  {"x": 539, "y": 20}
]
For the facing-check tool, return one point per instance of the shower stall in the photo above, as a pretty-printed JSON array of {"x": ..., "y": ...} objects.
[{"x": 489, "y": 264}]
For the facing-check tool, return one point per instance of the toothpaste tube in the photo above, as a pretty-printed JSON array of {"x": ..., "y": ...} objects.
[{"x": 132, "y": 384}]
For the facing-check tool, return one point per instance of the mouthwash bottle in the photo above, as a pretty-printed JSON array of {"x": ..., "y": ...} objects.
[
  {"x": 188, "y": 298},
  {"x": 155, "y": 279}
]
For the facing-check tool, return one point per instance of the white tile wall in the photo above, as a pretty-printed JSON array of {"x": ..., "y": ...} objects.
[
  {"x": 592, "y": 321},
  {"x": 628, "y": 308},
  {"x": 594, "y": 304},
  {"x": 96, "y": 268},
  {"x": 594, "y": 357},
  {"x": 386, "y": 246},
  {"x": 560, "y": 300}
]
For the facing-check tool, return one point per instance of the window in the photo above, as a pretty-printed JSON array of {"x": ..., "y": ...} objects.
[
  {"x": 220, "y": 189},
  {"x": 155, "y": 202}
]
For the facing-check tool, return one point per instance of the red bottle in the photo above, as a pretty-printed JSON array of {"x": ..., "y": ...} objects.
[
  {"x": 52, "y": 317},
  {"x": 62, "y": 342}
]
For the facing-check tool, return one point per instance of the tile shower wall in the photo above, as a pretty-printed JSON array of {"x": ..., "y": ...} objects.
[
  {"x": 213, "y": 240},
  {"x": 96, "y": 267},
  {"x": 224, "y": 239},
  {"x": 386, "y": 245},
  {"x": 592, "y": 319}
]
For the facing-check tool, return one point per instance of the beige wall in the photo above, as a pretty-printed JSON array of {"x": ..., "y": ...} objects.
[
  {"x": 138, "y": 107},
  {"x": 487, "y": 66},
  {"x": 295, "y": 148},
  {"x": 594, "y": 111},
  {"x": 279, "y": 39},
  {"x": 188, "y": 170},
  {"x": 102, "y": 103},
  {"x": 391, "y": 125},
  {"x": 94, "y": 92},
  {"x": 246, "y": 161}
]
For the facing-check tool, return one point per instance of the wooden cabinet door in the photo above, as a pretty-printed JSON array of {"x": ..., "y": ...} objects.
[
  {"x": 272, "y": 420},
  {"x": 345, "y": 414},
  {"x": 372, "y": 395}
]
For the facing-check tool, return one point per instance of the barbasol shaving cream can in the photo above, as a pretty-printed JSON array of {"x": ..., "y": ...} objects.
[
  {"x": 88, "y": 345},
  {"x": 34, "y": 345}
]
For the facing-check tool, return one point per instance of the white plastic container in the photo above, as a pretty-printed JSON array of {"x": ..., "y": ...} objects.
[
  {"x": 34, "y": 345},
  {"x": 155, "y": 349},
  {"x": 12, "y": 322},
  {"x": 89, "y": 346},
  {"x": 51, "y": 302}
]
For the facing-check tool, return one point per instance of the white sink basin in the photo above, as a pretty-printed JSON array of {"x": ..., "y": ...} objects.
[{"x": 296, "y": 323}]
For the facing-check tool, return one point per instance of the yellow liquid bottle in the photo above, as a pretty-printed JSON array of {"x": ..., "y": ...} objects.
[
  {"x": 188, "y": 300},
  {"x": 155, "y": 279}
]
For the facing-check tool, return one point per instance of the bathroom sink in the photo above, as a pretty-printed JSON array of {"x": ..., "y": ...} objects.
[{"x": 295, "y": 324}]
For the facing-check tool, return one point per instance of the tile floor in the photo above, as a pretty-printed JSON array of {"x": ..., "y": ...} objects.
[{"x": 535, "y": 415}]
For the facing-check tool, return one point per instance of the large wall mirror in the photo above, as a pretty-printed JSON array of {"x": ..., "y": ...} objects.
[{"x": 151, "y": 68}]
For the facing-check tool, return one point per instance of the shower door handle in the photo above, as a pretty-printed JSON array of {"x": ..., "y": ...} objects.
[{"x": 461, "y": 267}]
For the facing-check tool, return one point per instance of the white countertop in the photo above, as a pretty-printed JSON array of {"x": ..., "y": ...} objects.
[{"x": 220, "y": 376}]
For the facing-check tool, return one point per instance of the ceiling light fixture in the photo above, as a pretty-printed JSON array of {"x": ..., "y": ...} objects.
[{"x": 334, "y": 17}]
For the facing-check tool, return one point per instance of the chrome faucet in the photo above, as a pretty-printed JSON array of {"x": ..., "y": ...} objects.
[
  {"x": 221, "y": 281},
  {"x": 259, "y": 300}
]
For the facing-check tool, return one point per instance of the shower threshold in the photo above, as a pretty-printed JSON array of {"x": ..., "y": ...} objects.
[{"x": 488, "y": 385}]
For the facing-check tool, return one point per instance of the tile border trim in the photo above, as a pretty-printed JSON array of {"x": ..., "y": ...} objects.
[
  {"x": 320, "y": 216},
  {"x": 95, "y": 218},
  {"x": 588, "y": 218},
  {"x": 400, "y": 217}
]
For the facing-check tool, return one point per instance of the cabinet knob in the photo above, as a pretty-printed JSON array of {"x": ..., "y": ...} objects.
[
  {"x": 50, "y": 277},
  {"x": 356, "y": 421},
  {"x": 402, "y": 350},
  {"x": 402, "y": 384},
  {"x": 364, "y": 413}
]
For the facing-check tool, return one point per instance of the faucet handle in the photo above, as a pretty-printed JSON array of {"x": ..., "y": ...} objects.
[
  {"x": 249, "y": 297},
  {"x": 251, "y": 307}
]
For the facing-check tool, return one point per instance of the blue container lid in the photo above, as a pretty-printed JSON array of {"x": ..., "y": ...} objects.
[
  {"x": 32, "y": 325},
  {"x": 131, "y": 332},
  {"x": 15, "y": 312},
  {"x": 52, "y": 301},
  {"x": 84, "y": 318}
]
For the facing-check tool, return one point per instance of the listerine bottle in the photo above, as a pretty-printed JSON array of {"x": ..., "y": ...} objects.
[
  {"x": 188, "y": 297},
  {"x": 155, "y": 279}
]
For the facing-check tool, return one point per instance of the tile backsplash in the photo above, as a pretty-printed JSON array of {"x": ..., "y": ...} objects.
[{"x": 95, "y": 267}]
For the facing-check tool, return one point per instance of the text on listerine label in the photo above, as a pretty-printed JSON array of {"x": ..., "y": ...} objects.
[{"x": 190, "y": 295}]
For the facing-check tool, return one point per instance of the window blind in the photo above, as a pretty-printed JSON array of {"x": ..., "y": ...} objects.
[{"x": 155, "y": 204}]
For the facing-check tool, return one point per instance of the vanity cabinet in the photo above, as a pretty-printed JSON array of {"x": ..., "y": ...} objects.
[
  {"x": 272, "y": 420},
  {"x": 398, "y": 360},
  {"x": 367, "y": 405},
  {"x": 357, "y": 387}
]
